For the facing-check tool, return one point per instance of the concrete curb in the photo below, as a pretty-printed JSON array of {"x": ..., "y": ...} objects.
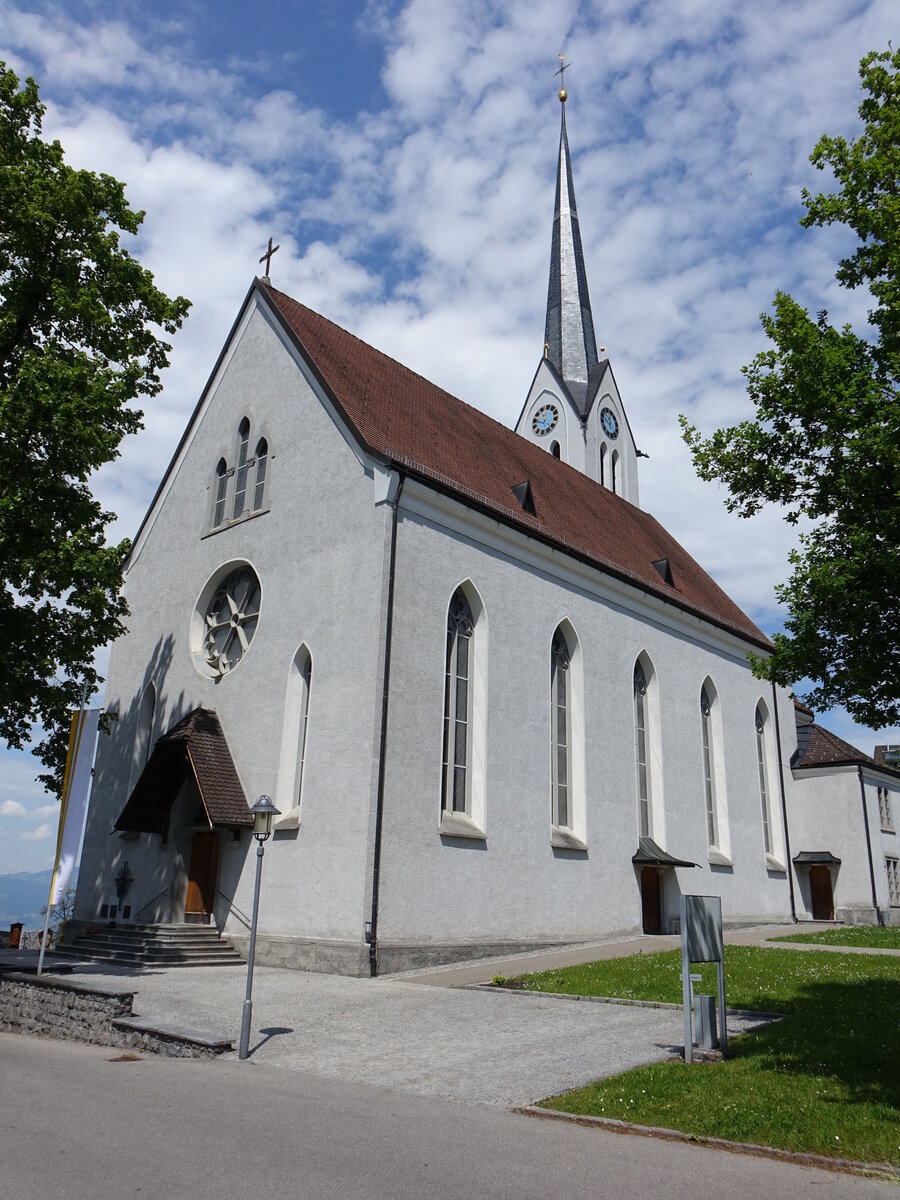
[{"x": 798, "y": 1158}]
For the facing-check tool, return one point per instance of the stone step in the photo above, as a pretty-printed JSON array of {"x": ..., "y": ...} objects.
[
  {"x": 135, "y": 950},
  {"x": 183, "y": 945}
]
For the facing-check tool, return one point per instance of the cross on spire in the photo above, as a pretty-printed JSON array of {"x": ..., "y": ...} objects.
[
  {"x": 267, "y": 257},
  {"x": 563, "y": 67}
]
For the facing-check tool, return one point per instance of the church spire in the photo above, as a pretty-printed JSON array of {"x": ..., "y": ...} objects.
[{"x": 569, "y": 341}]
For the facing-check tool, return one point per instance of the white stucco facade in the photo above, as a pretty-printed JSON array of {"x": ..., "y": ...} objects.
[{"x": 499, "y": 874}]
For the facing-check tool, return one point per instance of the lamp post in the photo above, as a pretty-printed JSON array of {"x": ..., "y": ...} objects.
[{"x": 263, "y": 812}]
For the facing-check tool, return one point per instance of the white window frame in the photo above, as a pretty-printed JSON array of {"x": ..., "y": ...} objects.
[
  {"x": 713, "y": 775},
  {"x": 463, "y": 814},
  {"x": 892, "y": 866},
  {"x": 292, "y": 768}
]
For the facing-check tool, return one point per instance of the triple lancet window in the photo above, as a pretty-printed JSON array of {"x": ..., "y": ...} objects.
[{"x": 246, "y": 481}]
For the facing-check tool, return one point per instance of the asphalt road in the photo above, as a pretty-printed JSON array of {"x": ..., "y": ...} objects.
[{"x": 77, "y": 1125}]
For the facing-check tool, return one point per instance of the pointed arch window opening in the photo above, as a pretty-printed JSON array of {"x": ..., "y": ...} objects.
[
  {"x": 243, "y": 468},
  {"x": 763, "y": 779},
  {"x": 642, "y": 758},
  {"x": 603, "y": 464},
  {"x": 561, "y": 748},
  {"x": 614, "y": 472},
  {"x": 457, "y": 751},
  {"x": 709, "y": 782},
  {"x": 221, "y": 492},
  {"x": 305, "y": 673},
  {"x": 262, "y": 454}
]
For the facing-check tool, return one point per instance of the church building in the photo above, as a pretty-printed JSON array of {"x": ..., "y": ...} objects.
[{"x": 497, "y": 705}]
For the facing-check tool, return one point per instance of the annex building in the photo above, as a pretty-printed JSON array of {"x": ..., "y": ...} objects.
[{"x": 497, "y": 704}]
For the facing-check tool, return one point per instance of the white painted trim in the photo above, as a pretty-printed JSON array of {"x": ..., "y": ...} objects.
[
  {"x": 452, "y": 515},
  {"x": 459, "y": 825}
]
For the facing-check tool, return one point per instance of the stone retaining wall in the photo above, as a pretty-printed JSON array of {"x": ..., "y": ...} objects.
[{"x": 60, "y": 1009}]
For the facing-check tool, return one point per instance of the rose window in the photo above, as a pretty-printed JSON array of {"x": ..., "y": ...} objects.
[{"x": 230, "y": 621}]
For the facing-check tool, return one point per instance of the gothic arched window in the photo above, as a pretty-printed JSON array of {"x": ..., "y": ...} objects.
[
  {"x": 763, "y": 777},
  {"x": 560, "y": 731},
  {"x": 221, "y": 484},
  {"x": 642, "y": 752},
  {"x": 458, "y": 681},
  {"x": 262, "y": 454},
  {"x": 709, "y": 767},
  {"x": 243, "y": 468}
]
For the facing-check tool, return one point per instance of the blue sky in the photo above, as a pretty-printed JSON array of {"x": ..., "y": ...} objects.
[{"x": 403, "y": 154}]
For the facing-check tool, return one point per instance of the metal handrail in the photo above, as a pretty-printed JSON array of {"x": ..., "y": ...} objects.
[
  {"x": 149, "y": 902},
  {"x": 232, "y": 907}
]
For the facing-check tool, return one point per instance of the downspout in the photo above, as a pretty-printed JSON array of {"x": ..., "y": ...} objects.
[
  {"x": 379, "y": 799},
  {"x": 862, "y": 792},
  {"x": 787, "y": 835}
]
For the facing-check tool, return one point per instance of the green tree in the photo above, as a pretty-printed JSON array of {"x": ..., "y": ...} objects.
[
  {"x": 79, "y": 340},
  {"x": 825, "y": 441}
]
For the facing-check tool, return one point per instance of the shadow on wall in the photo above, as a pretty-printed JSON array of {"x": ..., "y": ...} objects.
[{"x": 114, "y": 776}]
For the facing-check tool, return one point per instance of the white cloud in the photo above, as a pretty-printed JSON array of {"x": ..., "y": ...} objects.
[
  {"x": 12, "y": 808},
  {"x": 425, "y": 226},
  {"x": 41, "y": 834}
]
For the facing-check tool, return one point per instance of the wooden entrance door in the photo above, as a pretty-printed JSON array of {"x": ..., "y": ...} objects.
[
  {"x": 651, "y": 909},
  {"x": 201, "y": 892},
  {"x": 821, "y": 893}
]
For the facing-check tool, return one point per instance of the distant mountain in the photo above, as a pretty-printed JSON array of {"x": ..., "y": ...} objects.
[{"x": 22, "y": 896}]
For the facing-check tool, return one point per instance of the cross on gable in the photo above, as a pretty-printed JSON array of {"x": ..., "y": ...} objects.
[{"x": 267, "y": 257}]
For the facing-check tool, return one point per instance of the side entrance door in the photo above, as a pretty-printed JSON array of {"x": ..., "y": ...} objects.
[
  {"x": 821, "y": 893},
  {"x": 651, "y": 911},
  {"x": 203, "y": 876}
]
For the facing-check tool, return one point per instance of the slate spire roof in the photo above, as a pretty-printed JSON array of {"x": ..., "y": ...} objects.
[{"x": 569, "y": 338}]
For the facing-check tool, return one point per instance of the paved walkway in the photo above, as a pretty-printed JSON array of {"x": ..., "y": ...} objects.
[{"x": 440, "y": 1040}]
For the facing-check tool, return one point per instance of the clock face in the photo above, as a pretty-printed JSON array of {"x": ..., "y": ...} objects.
[
  {"x": 544, "y": 419},
  {"x": 609, "y": 422}
]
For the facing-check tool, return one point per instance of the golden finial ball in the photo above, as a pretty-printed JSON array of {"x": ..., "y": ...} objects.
[{"x": 563, "y": 95}]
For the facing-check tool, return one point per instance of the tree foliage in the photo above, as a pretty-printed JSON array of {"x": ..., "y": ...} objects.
[
  {"x": 825, "y": 440},
  {"x": 79, "y": 341}
]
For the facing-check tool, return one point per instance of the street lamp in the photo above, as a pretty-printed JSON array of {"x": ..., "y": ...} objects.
[{"x": 263, "y": 812}]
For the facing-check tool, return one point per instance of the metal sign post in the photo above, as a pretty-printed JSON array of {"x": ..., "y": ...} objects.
[{"x": 701, "y": 942}]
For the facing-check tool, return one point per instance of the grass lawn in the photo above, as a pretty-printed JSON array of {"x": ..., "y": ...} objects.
[
  {"x": 825, "y": 1079},
  {"x": 882, "y": 937}
]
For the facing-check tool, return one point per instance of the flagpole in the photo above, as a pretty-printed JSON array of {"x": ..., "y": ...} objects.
[{"x": 70, "y": 764}]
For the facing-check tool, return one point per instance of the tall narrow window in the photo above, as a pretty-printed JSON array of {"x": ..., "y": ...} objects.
[
  {"x": 221, "y": 489},
  {"x": 243, "y": 468},
  {"x": 709, "y": 782},
  {"x": 292, "y": 762},
  {"x": 603, "y": 463},
  {"x": 642, "y": 758},
  {"x": 560, "y": 736},
  {"x": 554, "y": 449},
  {"x": 458, "y": 706},
  {"x": 763, "y": 778},
  {"x": 262, "y": 454},
  {"x": 615, "y": 471},
  {"x": 304, "y": 669}
]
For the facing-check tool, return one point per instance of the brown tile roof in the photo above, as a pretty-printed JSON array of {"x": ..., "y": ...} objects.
[
  {"x": 194, "y": 747},
  {"x": 818, "y": 747},
  {"x": 435, "y": 437}
]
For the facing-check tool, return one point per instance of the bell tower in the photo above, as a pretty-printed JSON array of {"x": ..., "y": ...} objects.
[{"x": 573, "y": 409}]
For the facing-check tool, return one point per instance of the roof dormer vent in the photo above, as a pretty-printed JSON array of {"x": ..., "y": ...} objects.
[
  {"x": 522, "y": 492},
  {"x": 663, "y": 570}
]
